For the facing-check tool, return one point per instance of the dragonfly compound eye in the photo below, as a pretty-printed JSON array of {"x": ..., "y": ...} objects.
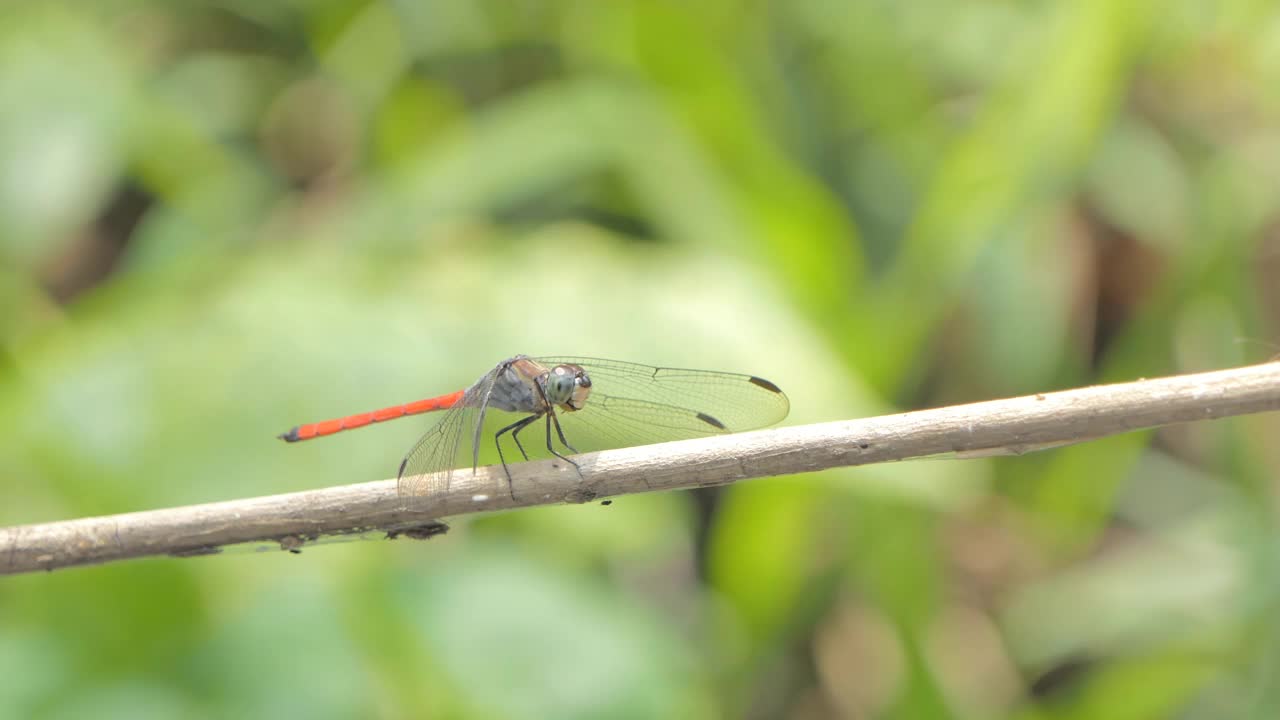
[{"x": 560, "y": 385}]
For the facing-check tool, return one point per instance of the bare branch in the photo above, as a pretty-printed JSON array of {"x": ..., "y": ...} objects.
[{"x": 1010, "y": 426}]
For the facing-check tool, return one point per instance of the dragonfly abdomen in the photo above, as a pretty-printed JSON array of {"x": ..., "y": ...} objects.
[{"x": 351, "y": 422}]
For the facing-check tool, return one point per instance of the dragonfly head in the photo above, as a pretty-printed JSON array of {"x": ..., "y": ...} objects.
[{"x": 568, "y": 386}]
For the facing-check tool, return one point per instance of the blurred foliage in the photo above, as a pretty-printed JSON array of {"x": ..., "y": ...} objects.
[{"x": 218, "y": 220}]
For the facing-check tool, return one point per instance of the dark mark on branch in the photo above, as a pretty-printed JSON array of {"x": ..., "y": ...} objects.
[
  {"x": 197, "y": 551},
  {"x": 294, "y": 543},
  {"x": 425, "y": 531},
  {"x": 580, "y": 496}
]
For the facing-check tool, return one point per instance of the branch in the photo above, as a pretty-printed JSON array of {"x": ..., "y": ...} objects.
[{"x": 1012, "y": 426}]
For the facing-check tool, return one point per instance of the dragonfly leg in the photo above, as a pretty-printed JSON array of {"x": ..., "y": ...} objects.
[
  {"x": 560, "y": 432},
  {"x": 515, "y": 433},
  {"x": 514, "y": 428},
  {"x": 552, "y": 419}
]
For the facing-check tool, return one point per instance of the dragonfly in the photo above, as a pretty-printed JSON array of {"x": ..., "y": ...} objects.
[{"x": 583, "y": 404}]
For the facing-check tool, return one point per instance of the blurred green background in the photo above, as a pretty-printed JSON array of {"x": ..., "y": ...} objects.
[{"x": 221, "y": 219}]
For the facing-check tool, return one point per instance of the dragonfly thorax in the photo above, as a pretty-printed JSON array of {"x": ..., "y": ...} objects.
[{"x": 567, "y": 386}]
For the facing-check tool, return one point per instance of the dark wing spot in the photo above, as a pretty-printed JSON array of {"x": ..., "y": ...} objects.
[
  {"x": 711, "y": 421},
  {"x": 765, "y": 384}
]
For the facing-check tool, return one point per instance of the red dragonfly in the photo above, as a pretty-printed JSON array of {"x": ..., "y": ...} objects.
[{"x": 584, "y": 403}]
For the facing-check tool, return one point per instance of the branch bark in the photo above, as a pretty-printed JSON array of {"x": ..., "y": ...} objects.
[{"x": 1011, "y": 426}]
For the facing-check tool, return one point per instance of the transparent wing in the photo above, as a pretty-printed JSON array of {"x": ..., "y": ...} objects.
[
  {"x": 426, "y": 469},
  {"x": 444, "y": 447},
  {"x": 634, "y": 404},
  {"x": 630, "y": 404}
]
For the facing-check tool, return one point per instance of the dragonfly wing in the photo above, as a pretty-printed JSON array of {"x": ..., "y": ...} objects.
[
  {"x": 446, "y": 446},
  {"x": 736, "y": 402},
  {"x": 612, "y": 422},
  {"x": 634, "y": 404},
  {"x": 630, "y": 404}
]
